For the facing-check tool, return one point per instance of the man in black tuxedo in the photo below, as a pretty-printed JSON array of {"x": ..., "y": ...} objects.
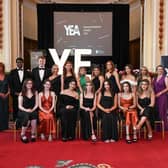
[
  {"x": 40, "y": 73},
  {"x": 16, "y": 79}
]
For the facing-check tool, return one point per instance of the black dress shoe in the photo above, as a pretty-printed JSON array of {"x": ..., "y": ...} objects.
[{"x": 24, "y": 139}]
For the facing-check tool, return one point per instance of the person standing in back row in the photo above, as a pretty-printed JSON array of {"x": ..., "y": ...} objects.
[
  {"x": 40, "y": 73},
  {"x": 16, "y": 79}
]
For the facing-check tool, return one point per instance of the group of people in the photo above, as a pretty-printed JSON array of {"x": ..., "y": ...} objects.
[{"x": 37, "y": 94}]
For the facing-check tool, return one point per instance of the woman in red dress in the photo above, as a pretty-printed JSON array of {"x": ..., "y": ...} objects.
[
  {"x": 127, "y": 103},
  {"x": 46, "y": 112}
]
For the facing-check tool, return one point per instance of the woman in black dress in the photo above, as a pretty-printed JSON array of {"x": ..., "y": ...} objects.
[
  {"x": 55, "y": 79},
  {"x": 145, "y": 104},
  {"x": 87, "y": 111},
  {"x": 113, "y": 76},
  {"x": 28, "y": 103},
  {"x": 67, "y": 76},
  {"x": 97, "y": 79},
  {"x": 4, "y": 97},
  {"x": 69, "y": 102},
  {"x": 107, "y": 103}
]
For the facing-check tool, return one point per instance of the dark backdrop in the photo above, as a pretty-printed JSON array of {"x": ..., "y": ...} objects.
[{"x": 120, "y": 29}]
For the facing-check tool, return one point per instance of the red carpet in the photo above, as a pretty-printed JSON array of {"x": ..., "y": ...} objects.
[{"x": 143, "y": 154}]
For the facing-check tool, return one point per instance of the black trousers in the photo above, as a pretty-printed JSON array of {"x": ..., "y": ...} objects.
[{"x": 68, "y": 122}]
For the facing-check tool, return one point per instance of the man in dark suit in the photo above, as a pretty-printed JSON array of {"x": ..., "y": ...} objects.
[
  {"x": 16, "y": 79},
  {"x": 40, "y": 73}
]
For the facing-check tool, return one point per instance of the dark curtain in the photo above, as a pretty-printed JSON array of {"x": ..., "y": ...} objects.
[
  {"x": 45, "y": 30},
  {"x": 121, "y": 35},
  {"x": 120, "y": 29}
]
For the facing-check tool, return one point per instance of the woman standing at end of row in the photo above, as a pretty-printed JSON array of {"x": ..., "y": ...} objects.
[
  {"x": 160, "y": 84},
  {"x": 4, "y": 98}
]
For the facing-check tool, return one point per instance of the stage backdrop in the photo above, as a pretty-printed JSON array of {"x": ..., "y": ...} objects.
[{"x": 105, "y": 29}]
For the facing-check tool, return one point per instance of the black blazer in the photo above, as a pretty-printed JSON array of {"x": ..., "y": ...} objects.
[
  {"x": 36, "y": 77},
  {"x": 14, "y": 81}
]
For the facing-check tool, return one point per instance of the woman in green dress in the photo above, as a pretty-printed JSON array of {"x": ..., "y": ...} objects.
[{"x": 82, "y": 79}]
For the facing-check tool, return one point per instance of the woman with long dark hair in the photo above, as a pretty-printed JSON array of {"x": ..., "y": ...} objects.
[
  {"x": 127, "y": 104},
  {"x": 67, "y": 76},
  {"x": 69, "y": 103},
  {"x": 107, "y": 103},
  {"x": 113, "y": 76},
  {"x": 46, "y": 112},
  {"x": 97, "y": 79},
  {"x": 28, "y": 103}
]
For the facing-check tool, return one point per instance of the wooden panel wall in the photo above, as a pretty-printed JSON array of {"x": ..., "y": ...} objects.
[
  {"x": 134, "y": 53},
  {"x": 29, "y": 45}
]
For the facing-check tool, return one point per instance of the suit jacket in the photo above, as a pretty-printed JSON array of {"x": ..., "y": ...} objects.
[
  {"x": 36, "y": 78},
  {"x": 14, "y": 81}
]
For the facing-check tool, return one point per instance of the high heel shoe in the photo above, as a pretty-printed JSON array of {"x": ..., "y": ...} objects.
[
  {"x": 42, "y": 137},
  {"x": 149, "y": 136},
  {"x": 24, "y": 139},
  {"x": 93, "y": 138},
  {"x": 128, "y": 140},
  {"x": 50, "y": 138},
  {"x": 134, "y": 139},
  {"x": 33, "y": 138}
]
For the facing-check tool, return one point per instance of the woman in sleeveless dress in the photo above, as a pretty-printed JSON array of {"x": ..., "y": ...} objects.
[
  {"x": 145, "y": 103},
  {"x": 129, "y": 77},
  {"x": 55, "y": 80},
  {"x": 160, "y": 84},
  {"x": 4, "y": 98},
  {"x": 144, "y": 74},
  {"x": 87, "y": 111},
  {"x": 67, "y": 76},
  {"x": 28, "y": 103},
  {"x": 46, "y": 112},
  {"x": 69, "y": 102},
  {"x": 82, "y": 79},
  {"x": 107, "y": 103},
  {"x": 97, "y": 79},
  {"x": 113, "y": 76},
  {"x": 127, "y": 103}
]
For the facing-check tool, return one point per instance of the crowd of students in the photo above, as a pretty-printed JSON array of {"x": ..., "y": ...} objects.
[{"x": 36, "y": 94}]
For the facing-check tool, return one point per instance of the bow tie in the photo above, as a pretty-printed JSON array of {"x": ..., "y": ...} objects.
[
  {"x": 20, "y": 69},
  {"x": 41, "y": 68}
]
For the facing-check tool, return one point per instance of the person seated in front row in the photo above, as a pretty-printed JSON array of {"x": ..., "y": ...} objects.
[
  {"x": 46, "y": 112},
  {"x": 127, "y": 103},
  {"x": 69, "y": 103},
  {"x": 145, "y": 103},
  {"x": 28, "y": 103},
  {"x": 107, "y": 104},
  {"x": 87, "y": 111}
]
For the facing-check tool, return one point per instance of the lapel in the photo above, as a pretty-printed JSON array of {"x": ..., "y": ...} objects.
[{"x": 17, "y": 75}]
